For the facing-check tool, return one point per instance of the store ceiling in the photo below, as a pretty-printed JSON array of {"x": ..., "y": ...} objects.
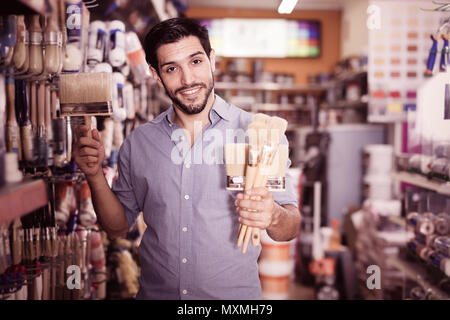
[{"x": 268, "y": 4}]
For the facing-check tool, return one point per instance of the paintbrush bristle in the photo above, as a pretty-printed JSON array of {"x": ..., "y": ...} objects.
[
  {"x": 277, "y": 128},
  {"x": 261, "y": 117},
  {"x": 252, "y": 132},
  {"x": 85, "y": 88}
]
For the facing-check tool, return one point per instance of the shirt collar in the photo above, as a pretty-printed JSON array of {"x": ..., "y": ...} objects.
[{"x": 220, "y": 107}]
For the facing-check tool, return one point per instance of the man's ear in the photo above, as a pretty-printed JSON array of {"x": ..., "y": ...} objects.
[
  {"x": 212, "y": 59},
  {"x": 155, "y": 76}
]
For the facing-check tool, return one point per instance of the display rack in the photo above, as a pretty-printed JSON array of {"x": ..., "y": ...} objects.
[
  {"x": 423, "y": 182},
  {"x": 312, "y": 89},
  {"x": 417, "y": 273},
  {"x": 345, "y": 104},
  {"x": 18, "y": 199}
]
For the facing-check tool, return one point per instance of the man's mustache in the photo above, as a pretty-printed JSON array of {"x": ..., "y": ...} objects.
[{"x": 190, "y": 86}]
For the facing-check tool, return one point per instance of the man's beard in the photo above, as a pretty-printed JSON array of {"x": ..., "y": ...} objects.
[{"x": 192, "y": 108}]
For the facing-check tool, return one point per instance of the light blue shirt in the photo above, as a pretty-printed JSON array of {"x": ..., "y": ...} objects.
[{"x": 189, "y": 249}]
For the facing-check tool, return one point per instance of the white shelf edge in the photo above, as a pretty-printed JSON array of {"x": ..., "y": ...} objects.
[{"x": 423, "y": 182}]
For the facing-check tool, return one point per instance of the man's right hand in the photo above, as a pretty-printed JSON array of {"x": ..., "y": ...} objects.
[{"x": 89, "y": 152}]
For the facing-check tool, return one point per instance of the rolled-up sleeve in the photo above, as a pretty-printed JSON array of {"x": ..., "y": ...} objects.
[{"x": 123, "y": 185}]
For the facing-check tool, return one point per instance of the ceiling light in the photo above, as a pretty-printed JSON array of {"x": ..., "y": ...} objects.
[{"x": 286, "y": 6}]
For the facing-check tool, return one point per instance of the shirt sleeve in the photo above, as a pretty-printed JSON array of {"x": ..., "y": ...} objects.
[
  {"x": 289, "y": 196},
  {"x": 123, "y": 185}
]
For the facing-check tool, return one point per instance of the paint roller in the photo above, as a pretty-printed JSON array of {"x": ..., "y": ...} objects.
[{"x": 85, "y": 95}]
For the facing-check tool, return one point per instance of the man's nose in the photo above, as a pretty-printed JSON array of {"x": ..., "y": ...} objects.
[{"x": 187, "y": 77}]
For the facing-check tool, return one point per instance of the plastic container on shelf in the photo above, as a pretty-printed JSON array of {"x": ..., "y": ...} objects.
[
  {"x": 378, "y": 187},
  {"x": 378, "y": 159},
  {"x": 275, "y": 279},
  {"x": 96, "y": 42},
  {"x": 136, "y": 57},
  {"x": 274, "y": 250},
  {"x": 116, "y": 48}
]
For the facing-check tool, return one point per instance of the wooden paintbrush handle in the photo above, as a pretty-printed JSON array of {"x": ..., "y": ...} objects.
[
  {"x": 41, "y": 105},
  {"x": 87, "y": 122},
  {"x": 249, "y": 179},
  {"x": 261, "y": 181},
  {"x": 33, "y": 110}
]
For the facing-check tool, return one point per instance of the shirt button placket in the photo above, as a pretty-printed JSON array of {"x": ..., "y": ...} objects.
[{"x": 185, "y": 234}]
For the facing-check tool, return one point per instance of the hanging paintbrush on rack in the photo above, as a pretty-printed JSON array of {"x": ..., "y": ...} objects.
[
  {"x": 51, "y": 37},
  {"x": 41, "y": 145},
  {"x": 431, "y": 57},
  {"x": 26, "y": 128},
  {"x": 7, "y": 40},
  {"x": 444, "y": 54},
  {"x": 21, "y": 48},
  {"x": 36, "y": 52},
  {"x": 12, "y": 128}
]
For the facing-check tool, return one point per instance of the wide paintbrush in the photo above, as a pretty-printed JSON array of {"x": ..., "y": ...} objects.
[{"x": 85, "y": 95}]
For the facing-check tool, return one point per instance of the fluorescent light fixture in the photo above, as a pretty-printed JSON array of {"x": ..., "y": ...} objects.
[{"x": 286, "y": 6}]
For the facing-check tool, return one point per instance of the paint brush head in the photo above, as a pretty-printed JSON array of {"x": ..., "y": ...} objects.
[
  {"x": 252, "y": 133},
  {"x": 277, "y": 127},
  {"x": 85, "y": 94},
  {"x": 261, "y": 117}
]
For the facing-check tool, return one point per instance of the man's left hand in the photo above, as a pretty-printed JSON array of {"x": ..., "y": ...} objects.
[{"x": 256, "y": 213}]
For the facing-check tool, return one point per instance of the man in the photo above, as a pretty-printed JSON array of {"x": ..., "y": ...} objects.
[{"x": 189, "y": 249}]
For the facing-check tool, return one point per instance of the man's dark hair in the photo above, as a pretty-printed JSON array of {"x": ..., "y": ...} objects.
[{"x": 172, "y": 30}]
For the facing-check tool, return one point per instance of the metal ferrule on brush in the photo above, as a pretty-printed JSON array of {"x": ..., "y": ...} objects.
[
  {"x": 36, "y": 38},
  {"x": 253, "y": 156},
  {"x": 268, "y": 154},
  {"x": 27, "y": 140},
  {"x": 51, "y": 38},
  {"x": 94, "y": 108}
]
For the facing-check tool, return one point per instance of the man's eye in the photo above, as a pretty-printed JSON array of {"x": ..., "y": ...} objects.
[
  {"x": 170, "y": 69},
  {"x": 196, "y": 61}
]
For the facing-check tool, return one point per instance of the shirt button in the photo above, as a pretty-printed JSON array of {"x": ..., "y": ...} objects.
[
  {"x": 182, "y": 138},
  {"x": 184, "y": 291},
  {"x": 188, "y": 165},
  {"x": 186, "y": 197},
  {"x": 184, "y": 260},
  {"x": 184, "y": 229},
  {"x": 170, "y": 125}
]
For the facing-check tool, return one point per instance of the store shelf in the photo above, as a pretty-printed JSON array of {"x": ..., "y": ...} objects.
[
  {"x": 417, "y": 273},
  {"x": 387, "y": 118},
  {"x": 18, "y": 199},
  {"x": 423, "y": 182},
  {"x": 276, "y": 107},
  {"x": 270, "y": 87},
  {"x": 25, "y": 7},
  {"x": 345, "y": 104},
  {"x": 351, "y": 75}
]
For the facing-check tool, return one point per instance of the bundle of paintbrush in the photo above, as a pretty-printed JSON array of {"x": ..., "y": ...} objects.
[{"x": 264, "y": 136}]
